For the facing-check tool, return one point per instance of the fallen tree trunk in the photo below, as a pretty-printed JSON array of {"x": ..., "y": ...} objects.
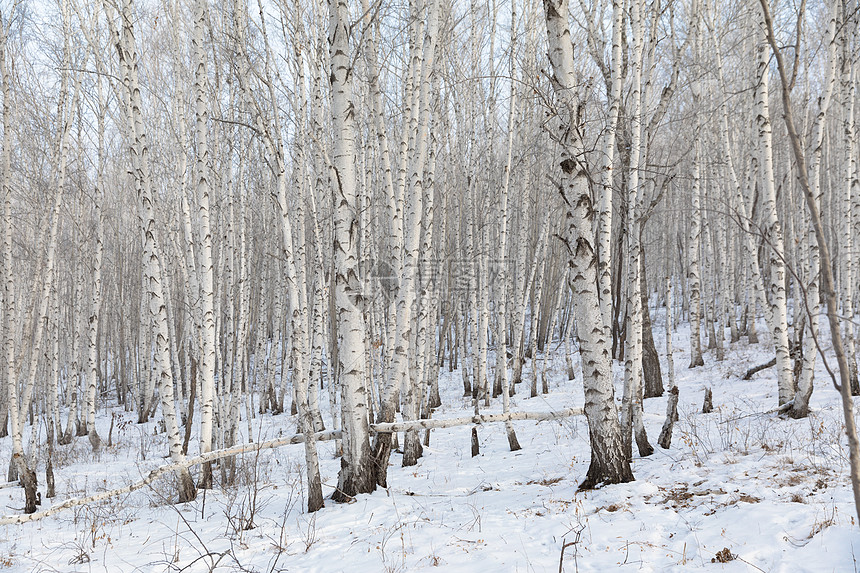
[
  {"x": 432, "y": 423},
  {"x": 160, "y": 471},
  {"x": 754, "y": 370},
  {"x": 272, "y": 444},
  {"x": 794, "y": 353}
]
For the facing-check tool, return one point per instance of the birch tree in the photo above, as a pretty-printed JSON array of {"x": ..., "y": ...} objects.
[
  {"x": 800, "y": 405},
  {"x": 773, "y": 230},
  {"x": 632, "y": 400},
  {"x": 608, "y": 462},
  {"x": 203, "y": 311},
  {"x": 502, "y": 347},
  {"x": 152, "y": 265},
  {"x": 604, "y": 229},
  {"x": 695, "y": 237},
  {"x": 850, "y": 188},
  {"x": 96, "y": 298},
  {"x": 27, "y": 475},
  {"x": 357, "y": 469}
]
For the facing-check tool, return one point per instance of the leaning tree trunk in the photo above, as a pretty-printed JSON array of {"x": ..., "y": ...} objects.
[
  {"x": 152, "y": 266},
  {"x": 827, "y": 282}
]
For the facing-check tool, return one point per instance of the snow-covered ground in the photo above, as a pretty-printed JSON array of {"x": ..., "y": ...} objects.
[{"x": 774, "y": 492}]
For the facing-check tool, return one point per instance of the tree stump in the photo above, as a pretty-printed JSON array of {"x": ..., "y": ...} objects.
[{"x": 708, "y": 405}]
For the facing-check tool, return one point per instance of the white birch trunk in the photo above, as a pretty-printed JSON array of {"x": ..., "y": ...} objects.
[
  {"x": 850, "y": 199},
  {"x": 299, "y": 295},
  {"x": 753, "y": 277},
  {"x": 533, "y": 329},
  {"x": 95, "y": 307},
  {"x": 608, "y": 462},
  {"x": 28, "y": 476},
  {"x": 694, "y": 243},
  {"x": 152, "y": 263},
  {"x": 357, "y": 472},
  {"x": 501, "y": 343},
  {"x": 206, "y": 287},
  {"x": 779, "y": 325},
  {"x": 404, "y": 218},
  {"x": 604, "y": 225},
  {"x": 412, "y": 445},
  {"x": 800, "y": 407},
  {"x": 65, "y": 114},
  {"x": 632, "y": 400}
]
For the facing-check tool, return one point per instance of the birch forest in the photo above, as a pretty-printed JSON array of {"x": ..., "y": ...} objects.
[{"x": 365, "y": 235}]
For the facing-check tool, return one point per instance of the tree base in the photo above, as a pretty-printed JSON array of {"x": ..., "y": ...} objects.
[
  {"x": 467, "y": 384},
  {"x": 642, "y": 443},
  {"x": 381, "y": 455},
  {"x": 665, "y": 439},
  {"x": 187, "y": 491},
  {"x": 31, "y": 496},
  {"x": 599, "y": 476},
  {"x": 49, "y": 479},
  {"x": 435, "y": 400},
  {"x": 12, "y": 474},
  {"x": 798, "y": 412},
  {"x": 352, "y": 481},
  {"x": 315, "y": 495},
  {"x": 708, "y": 404},
  {"x": 95, "y": 440},
  {"x": 497, "y": 387},
  {"x": 412, "y": 449},
  {"x": 476, "y": 448},
  {"x": 205, "y": 481},
  {"x": 512, "y": 440}
]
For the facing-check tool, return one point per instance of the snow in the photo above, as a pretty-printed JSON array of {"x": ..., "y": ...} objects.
[{"x": 775, "y": 492}]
